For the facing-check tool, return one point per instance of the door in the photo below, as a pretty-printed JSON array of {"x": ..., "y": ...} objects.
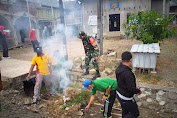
[
  {"x": 75, "y": 31},
  {"x": 114, "y": 22}
]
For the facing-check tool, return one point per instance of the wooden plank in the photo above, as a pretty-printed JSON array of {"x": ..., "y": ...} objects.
[
  {"x": 116, "y": 114},
  {"x": 140, "y": 48},
  {"x": 153, "y": 58},
  {"x": 147, "y": 62},
  {"x": 145, "y": 48},
  {"x": 134, "y": 48},
  {"x": 135, "y": 62},
  {"x": 151, "y": 48},
  {"x": 141, "y": 60},
  {"x": 156, "y": 48},
  {"x": 103, "y": 106}
]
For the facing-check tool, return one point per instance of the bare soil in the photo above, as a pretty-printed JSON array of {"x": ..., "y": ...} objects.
[{"x": 166, "y": 75}]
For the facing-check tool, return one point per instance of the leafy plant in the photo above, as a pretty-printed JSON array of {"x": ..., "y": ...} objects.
[
  {"x": 127, "y": 30},
  {"x": 126, "y": 27},
  {"x": 80, "y": 98},
  {"x": 150, "y": 23},
  {"x": 147, "y": 38}
]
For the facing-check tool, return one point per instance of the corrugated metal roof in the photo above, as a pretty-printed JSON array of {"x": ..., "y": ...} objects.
[{"x": 146, "y": 48}]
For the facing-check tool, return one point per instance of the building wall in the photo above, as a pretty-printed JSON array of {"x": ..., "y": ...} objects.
[
  {"x": 173, "y": 9},
  {"x": 89, "y": 8},
  {"x": 125, "y": 6},
  {"x": 157, "y": 5}
]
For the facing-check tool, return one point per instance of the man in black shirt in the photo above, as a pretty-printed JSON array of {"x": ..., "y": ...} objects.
[{"x": 126, "y": 87}]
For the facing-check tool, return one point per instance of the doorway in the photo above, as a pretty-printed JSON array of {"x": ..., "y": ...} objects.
[
  {"x": 114, "y": 22},
  {"x": 75, "y": 31}
]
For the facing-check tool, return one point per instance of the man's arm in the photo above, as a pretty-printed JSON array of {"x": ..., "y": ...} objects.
[
  {"x": 108, "y": 90},
  {"x": 91, "y": 101},
  {"x": 131, "y": 83},
  {"x": 30, "y": 71},
  {"x": 107, "y": 93},
  {"x": 51, "y": 67}
]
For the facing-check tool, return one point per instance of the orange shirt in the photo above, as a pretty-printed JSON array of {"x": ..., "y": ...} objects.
[{"x": 42, "y": 63}]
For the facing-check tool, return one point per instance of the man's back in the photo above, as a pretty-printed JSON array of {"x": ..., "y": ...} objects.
[
  {"x": 103, "y": 84},
  {"x": 42, "y": 63},
  {"x": 32, "y": 35}
]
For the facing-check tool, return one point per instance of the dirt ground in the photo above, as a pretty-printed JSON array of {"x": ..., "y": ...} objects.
[
  {"x": 166, "y": 75},
  {"x": 12, "y": 105}
]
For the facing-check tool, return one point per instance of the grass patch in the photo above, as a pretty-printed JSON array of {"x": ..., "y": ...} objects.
[
  {"x": 80, "y": 98},
  {"x": 75, "y": 86}
]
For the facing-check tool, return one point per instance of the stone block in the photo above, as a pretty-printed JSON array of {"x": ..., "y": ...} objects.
[
  {"x": 161, "y": 92},
  {"x": 162, "y": 103},
  {"x": 92, "y": 71},
  {"x": 112, "y": 54},
  {"x": 149, "y": 100},
  {"x": 171, "y": 95},
  {"x": 153, "y": 74},
  {"x": 171, "y": 105},
  {"x": 158, "y": 97},
  {"x": 139, "y": 104},
  {"x": 108, "y": 71}
]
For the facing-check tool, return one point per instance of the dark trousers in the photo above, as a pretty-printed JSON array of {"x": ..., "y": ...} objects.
[
  {"x": 129, "y": 108},
  {"x": 110, "y": 101},
  {"x": 4, "y": 47},
  {"x": 35, "y": 44}
]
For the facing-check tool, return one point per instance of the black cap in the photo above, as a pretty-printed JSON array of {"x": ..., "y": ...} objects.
[
  {"x": 126, "y": 56},
  {"x": 82, "y": 33},
  {"x": 38, "y": 48}
]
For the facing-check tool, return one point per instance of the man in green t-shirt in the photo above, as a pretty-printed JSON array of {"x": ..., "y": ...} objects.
[{"x": 106, "y": 85}]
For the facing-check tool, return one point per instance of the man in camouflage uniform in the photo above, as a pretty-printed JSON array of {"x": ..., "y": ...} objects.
[{"x": 91, "y": 51}]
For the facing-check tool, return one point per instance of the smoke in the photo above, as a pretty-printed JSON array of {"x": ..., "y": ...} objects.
[{"x": 54, "y": 47}]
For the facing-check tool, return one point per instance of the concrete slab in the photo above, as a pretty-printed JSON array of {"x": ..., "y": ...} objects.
[{"x": 11, "y": 68}]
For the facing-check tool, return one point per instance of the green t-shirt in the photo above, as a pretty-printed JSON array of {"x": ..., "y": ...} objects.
[{"x": 103, "y": 84}]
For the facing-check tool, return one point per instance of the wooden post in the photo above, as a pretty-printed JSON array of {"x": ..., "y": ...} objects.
[
  {"x": 100, "y": 25},
  {"x": 28, "y": 13},
  {"x": 53, "y": 20},
  {"x": 164, "y": 7},
  {"x": 63, "y": 30}
]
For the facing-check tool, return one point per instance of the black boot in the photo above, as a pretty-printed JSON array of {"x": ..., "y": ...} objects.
[
  {"x": 85, "y": 73},
  {"x": 97, "y": 75}
]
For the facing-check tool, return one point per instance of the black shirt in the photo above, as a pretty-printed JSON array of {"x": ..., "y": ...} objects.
[{"x": 126, "y": 81}]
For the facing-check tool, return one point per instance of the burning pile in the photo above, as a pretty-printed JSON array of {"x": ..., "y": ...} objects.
[{"x": 68, "y": 104}]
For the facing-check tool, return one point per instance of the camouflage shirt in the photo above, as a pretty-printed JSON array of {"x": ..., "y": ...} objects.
[{"x": 90, "y": 45}]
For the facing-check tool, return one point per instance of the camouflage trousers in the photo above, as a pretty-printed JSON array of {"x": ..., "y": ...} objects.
[{"x": 91, "y": 55}]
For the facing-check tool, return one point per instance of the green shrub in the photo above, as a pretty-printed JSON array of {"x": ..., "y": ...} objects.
[
  {"x": 150, "y": 25},
  {"x": 81, "y": 98},
  {"x": 147, "y": 38}
]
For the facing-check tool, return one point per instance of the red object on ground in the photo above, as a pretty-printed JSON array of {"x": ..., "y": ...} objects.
[{"x": 32, "y": 35}]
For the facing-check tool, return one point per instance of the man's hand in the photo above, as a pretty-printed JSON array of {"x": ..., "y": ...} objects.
[
  {"x": 104, "y": 98},
  {"x": 87, "y": 107},
  {"x": 96, "y": 58},
  {"x": 139, "y": 92},
  {"x": 28, "y": 78}
]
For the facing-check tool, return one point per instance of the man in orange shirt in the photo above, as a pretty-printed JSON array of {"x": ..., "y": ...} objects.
[
  {"x": 33, "y": 39},
  {"x": 42, "y": 61}
]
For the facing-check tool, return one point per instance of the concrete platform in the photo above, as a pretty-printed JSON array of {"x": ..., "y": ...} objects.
[{"x": 12, "y": 68}]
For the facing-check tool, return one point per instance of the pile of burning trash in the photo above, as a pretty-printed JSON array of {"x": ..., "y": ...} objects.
[{"x": 66, "y": 105}]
